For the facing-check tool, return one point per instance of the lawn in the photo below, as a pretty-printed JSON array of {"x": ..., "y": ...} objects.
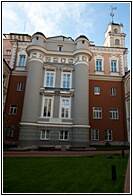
[{"x": 89, "y": 174}]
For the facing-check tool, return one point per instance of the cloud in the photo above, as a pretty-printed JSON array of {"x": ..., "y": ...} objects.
[{"x": 50, "y": 18}]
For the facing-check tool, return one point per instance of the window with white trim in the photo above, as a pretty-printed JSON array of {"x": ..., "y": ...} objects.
[
  {"x": 94, "y": 134},
  {"x": 13, "y": 109},
  {"x": 108, "y": 135},
  {"x": 65, "y": 107},
  {"x": 22, "y": 60},
  {"x": 45, "y": 135},
  {"x": 113, "y": 91},
  {"x": 49, "y": 78},
  {"x": 98, "y": 64},
  {"x": 97, "y": 112},
  {"x": 8, "y": 52},
  {"x": 97, "y": 90},
  {"x": 60, "y": 48},
  {"x": 113, "y": 66},
  {"x": 48, "y": 107},
  {"x": 64, "y": 135},
  {"x": 114, "y": 113},
  {"x": 20, "y": 86},
  {"x": 66, "y": 80}
]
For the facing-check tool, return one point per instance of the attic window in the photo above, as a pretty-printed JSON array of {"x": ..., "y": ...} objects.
[
  {"x": 37, "y": 38},
  {"x": 60, "y": 48},
  {"x": 83, "y": 41}
]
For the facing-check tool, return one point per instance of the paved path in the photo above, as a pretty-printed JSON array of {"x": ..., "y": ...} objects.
[{"x": 72, "y": 153}]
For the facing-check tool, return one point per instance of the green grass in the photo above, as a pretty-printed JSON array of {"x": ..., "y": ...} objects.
[{"x": 64, "y": 174}]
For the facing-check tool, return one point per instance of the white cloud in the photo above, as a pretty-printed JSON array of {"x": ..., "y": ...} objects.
[{"x": 50, "y": 18}]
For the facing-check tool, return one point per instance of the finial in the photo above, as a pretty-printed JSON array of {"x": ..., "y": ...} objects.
[{"x": 112, "y": 13}]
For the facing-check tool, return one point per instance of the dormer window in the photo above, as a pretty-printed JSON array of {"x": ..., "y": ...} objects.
[{"x": 83, "y": 41}]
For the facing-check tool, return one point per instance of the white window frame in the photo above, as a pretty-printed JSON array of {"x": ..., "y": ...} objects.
[
  {"x": 8, "y": 52},
  {"x": 21, "y": 53},
  {"x": 63, "y": 139},
  {"x": 13, "y": 109},
  {"x": 45, "y": 134},
  {"x": 62, "y": 76},
  {"x": 113, "y": 91},
  {"x": 20, "y": 86},
  {"x": 60, "y": 48},
  {"x": 69, "y": 108},
  {"x": 108, "y": 134},
  {"x": 114, "y": 114},
  {"x": 114, "y": 59},
  {"x": 97, "y": 113},
  {"x": 43, "y": 102},
  {"x": 101, "y": 59},
  {"x": 96, "y": 90},
  {"x": 94, "y": 134},
  {"x": 45, "y": 78}
]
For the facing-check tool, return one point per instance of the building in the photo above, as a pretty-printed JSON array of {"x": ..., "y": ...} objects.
[
  {"x": 127, "y": 101},
  {"x": 6, "y": 77},
  {"x": 68, "y": 92}
]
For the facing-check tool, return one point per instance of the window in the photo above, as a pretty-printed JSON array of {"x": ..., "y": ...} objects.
[
  {"x": 22, "y": 60},
  {"x": 66, "y": 80},
  {"x": 4, "y": 79},
  {"x": 63, "y": 135},
  {"x": 65, "y": 108},
  {"x": 97, "y": 90},
  {"x": 48, "y": 106},
  {"x": 20, "y": 86},
  {"x": 114, "y": 113},
  {"x": 117, "y": 42},
  {"x": 8, "y": 52},
  {"x": 98, "y": 64},
  {"x": 112, "y": 91},
  {"x": 94, "y": 134},
  {"x": 10, "y": 132},
  {"x": 45, "y": 135},
  {"x": 60, "y": 48},
  {"x": 49, "y": 79},
  {"x": 13, "y": 109},
  {"x": 108, "y": 135},
  {"x": 97, "y": 112},
  {"x": 115, "y": 30},
  {"x": 114, "y": 66}
]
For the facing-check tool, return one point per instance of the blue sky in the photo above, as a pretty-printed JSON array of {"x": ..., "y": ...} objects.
[{"x": 66, "y": 18}]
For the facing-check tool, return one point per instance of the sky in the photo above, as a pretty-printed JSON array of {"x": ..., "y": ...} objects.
[{"x": 70, "y": 19}]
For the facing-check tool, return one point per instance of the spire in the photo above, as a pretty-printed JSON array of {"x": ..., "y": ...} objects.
[{"x": 112, "y": 13}]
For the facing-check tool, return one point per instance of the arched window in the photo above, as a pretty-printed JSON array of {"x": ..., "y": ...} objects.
[
  {"x": 117, "y": 42},
  {"x": 115, "y": 30}
]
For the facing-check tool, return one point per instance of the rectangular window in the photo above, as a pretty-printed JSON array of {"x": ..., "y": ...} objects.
[
  {"x": 65, "y": 108},
  {"x": 49, "y": 79},
  {"x": 20, "y": 86},
  {"x": 45, "y": 135},
  {"x": 99, "y": 65},
  {"x": 60, "y": 48},
  {"x": 94, "y": 134},
  {"x": 13, "y": 109},
  {"x": 8, "y": 52},
  {"x": 48, "y": 107},
  {"x": 9, "y": 132},
  {"x": 22, "y": 60},
  {"x": 114, "y": 113},
  {"x": 112, "y": 91},
  {"x": 108, "y": 135},
  {"x": 97, "y": 90},
  {"x": 64, "y": 135},
  {"x": 113, "y": 66},
  {"x": 97, "y": 112},
  {"x": 66, "y": 80}
]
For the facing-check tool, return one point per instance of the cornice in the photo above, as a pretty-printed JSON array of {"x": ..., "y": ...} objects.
[
  {"x": 19, "y": 73},
  {"x": 105, "y": 77}
]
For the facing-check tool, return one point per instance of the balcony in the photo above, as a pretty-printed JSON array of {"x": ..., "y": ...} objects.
[{"x": 56, "y": 91}]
